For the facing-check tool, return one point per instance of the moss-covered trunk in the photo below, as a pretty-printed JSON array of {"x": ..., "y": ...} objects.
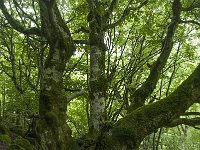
[
  {"x": 97, "y": 82},
  {"x": 134, "y": 127},
  {"x": 128, "y": 132},
  {"x": 53, "y": 129}
]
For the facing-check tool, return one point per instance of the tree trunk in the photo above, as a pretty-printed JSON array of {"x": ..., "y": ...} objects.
[
  {"x": 52, "y": 107},
  {"x": 53, "y": 129},
  {"x": 128, "y": 132},
  {"x": 134, "y": 127},
  {"x": 97, "y": 82}
]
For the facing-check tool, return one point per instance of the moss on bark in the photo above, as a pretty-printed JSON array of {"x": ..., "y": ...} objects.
[{"x": 141, "y": 122}]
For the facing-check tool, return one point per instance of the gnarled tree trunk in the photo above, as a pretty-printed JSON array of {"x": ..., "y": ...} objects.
[{"x": 53, "y": 130}]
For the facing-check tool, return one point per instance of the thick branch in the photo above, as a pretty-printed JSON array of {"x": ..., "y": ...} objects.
[
  {"x": 16, "y": 24},
  {"x": 190, "y": 122},
  {"x": 55, "y": 29},
  {"x": 147, "y": 119},
  {"x": 139, "y": 96},
  {"x": 74, "y": 95}
]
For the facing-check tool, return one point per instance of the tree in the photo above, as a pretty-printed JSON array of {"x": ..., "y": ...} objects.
[{"x": 57, "y": 40}]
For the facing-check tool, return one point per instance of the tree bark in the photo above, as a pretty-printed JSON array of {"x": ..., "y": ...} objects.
[
  {"x": 97, "y": 82},
  {"x": 141, "y": 94},
  {"x": 133, "y": 128},
  {"x": 53, "y": 130},
  {"x": 129, "y": 131}
]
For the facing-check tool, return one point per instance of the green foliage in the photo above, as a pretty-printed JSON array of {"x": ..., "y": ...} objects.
[
  {"x": 25, "y": 144},
  {"x": 19, "y": 130},
  {"x": 15, "y": 147},
  {"x": 5, "y": 139},
  {"x": 77, "y": 117},
  {"x": 180, "y": 138},
  {"x": 3, "y": 129}
]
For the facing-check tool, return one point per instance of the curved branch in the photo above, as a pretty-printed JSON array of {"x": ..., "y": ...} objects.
[
  {"x": 140, "y": 95},
  {"x": 16, "y": 24},
  {"x": 55, "y": 29},
  {"x": 74, "y": 95},
  {"x": 190, "y": 122},
  {"x": 147, "y": 119}
]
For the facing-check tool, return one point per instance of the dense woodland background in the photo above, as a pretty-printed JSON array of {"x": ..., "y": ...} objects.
[{"x": 100, "y": 74}]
